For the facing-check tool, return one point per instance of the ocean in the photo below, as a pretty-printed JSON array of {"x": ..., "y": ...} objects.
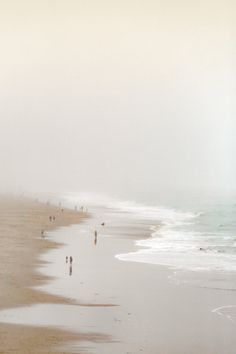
[
  {"x": 182, "y": 284},
  {"x": 195, "y": 236}
]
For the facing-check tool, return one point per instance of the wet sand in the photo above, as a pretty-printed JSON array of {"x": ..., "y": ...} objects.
[
  {"x": 124, "y": 307},
  {"x": 21, "y": 242}
]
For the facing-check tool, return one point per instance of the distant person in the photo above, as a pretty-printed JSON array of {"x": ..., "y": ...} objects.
[
  {"x": 95, "y": 233},
  {"x": 50, "y": 218},
  {"x": 71, "y": 260},
  {"x": 66, "y": 259},
  {"x": 70, "y": 271},
  {"x": 95, "y": 240},
  {"x": 62, "y": 210},
  {"x": 53, "y": 218}
]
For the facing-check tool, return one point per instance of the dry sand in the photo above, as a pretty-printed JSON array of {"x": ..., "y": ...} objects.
[
  {"x": 21, "y": 222},
  {"x": 154, "y": 314}
]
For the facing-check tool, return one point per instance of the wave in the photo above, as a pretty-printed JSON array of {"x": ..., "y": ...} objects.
[
  {"x": 178, "y": 239},
  {"x": 159, "y": 213}
]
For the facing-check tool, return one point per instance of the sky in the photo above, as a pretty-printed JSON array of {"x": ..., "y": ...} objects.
[{"x": 121, "y": 97}]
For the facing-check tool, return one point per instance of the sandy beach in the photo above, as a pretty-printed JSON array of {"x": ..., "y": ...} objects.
[
  {"x": 118, "y": 177},
  {"x": 21, "y": 242},
  {"x": 107, "y": 305}
]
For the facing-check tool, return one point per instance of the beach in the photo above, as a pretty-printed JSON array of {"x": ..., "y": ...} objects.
[
  {"x": 118, "y": 177},
  {"x": 106, "y": 305},
  {"x": 21, "y": 242}
]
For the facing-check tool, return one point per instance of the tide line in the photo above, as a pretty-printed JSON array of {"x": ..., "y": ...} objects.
[{"x": 219, "y": 311}]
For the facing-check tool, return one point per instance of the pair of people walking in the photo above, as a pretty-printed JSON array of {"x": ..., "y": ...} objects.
[{"x": 69, "y": 259}]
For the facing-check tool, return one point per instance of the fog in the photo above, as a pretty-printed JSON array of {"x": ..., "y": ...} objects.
[{"x": 121, "y": 97}]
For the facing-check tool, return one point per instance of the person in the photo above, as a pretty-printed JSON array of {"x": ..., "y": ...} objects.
[
  {"x": 70, "y": 269},
  {"x": 71, "y": 259},
  {"x": 66, "y": 259},
  {"x": 50, "y": 218}
]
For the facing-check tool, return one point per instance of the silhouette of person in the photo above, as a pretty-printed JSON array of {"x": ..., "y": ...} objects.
[{"x": 71, "y": 260}]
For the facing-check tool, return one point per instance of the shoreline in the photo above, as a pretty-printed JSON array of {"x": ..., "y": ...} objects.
[
  {"x": 21, "y": 243},
  {"x": 122, "y": 306}
]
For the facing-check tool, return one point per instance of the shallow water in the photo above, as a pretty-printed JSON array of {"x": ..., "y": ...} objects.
[
  {"x": 131, "y": 303},
  {"x": 95, "y": 287},
  {"x": 196, "y": 235}
]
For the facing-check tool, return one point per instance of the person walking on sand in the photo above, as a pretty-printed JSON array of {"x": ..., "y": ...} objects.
[
  {"x": 95, "y": 240},
  {"x": 70, "y": 272},
  {"x": 71, "y": 260}
]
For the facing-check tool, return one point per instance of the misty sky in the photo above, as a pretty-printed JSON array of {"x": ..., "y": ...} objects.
[{"x": 117, "y": 96}]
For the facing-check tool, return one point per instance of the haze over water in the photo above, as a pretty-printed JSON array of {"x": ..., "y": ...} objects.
[
  {"x": 126, "y": 108},
  {"x": 133, "y": 99}
]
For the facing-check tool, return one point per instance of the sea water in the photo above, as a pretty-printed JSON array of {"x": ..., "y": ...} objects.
[{"x": 196, "y": 236}]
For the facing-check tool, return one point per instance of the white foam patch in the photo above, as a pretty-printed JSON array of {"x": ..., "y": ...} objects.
[
  {"x": 228, "y": 311},
  {"x": 174, "y": 241}
]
